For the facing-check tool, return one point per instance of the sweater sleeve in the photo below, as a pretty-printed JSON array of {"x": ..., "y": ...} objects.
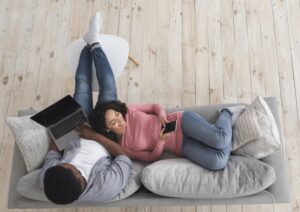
[
  {"x": 147, "y": 156},
  {"x": 150, "y": 109}
]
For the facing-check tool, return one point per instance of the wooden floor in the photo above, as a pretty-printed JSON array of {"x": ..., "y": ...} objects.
[{"x": 189, "y": 52}]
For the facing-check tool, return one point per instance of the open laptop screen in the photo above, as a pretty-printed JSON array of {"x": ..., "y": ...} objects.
[{"x": 56, "y": 111}]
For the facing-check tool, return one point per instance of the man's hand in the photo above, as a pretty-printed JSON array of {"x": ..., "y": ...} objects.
[
  {"x": 53, "y": 146},
  {"x": 86, "y": 132}
]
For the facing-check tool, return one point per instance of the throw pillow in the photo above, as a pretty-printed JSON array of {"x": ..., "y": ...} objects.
[
  {"x": 185, "y": 179},
  {"x": 32, "y": 140},
  {"x": 256, "y": 133},
  {"x": 28, "y": 185}
]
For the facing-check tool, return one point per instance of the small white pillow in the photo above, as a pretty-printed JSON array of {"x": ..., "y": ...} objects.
[
  {"x": 32, "y": 140},
  {"x": 256, "y": 133},
  {"x": 28, "y": 185},
  {"x": 185, "y": 179}
]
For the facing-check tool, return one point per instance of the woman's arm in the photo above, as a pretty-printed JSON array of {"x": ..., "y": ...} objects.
[
  {"x": 147, "y": 156},
  {"x": 112, "y": 147},
  {"x": 150, "y": 109}
]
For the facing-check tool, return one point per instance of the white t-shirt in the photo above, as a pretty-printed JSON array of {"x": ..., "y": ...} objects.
[{"x": 85, "y": 155}]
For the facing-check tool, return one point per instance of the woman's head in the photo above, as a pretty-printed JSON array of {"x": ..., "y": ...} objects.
[{"x": 109, "y": 119}]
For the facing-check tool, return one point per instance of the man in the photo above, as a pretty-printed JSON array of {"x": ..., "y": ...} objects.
[{"x": 85, "y": 171}]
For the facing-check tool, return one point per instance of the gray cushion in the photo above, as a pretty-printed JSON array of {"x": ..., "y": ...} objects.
[
  {"x": 182, "y": 178},
  {"x": 256, "y": 133},
  {"x": 32, "y": 140}
]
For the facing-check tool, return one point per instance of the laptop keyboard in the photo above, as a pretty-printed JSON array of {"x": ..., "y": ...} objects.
[{"x": 68, "y": 124}]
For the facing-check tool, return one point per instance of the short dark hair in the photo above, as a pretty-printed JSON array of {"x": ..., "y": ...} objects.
[
  {"x": 97, "y": 117},
  {"x": 61, "y": 185}
]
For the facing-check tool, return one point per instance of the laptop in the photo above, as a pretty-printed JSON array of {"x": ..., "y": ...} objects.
[{"x": 60, "y": 119}]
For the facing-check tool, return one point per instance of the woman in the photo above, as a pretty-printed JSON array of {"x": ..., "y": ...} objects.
[{"x": 139, "y": 129}]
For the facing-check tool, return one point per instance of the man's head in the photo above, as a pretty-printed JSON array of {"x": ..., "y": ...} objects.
[{"x": 63, "y": 184}]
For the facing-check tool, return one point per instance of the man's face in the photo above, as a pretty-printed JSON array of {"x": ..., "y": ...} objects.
[{"x": 76, "y": 173}]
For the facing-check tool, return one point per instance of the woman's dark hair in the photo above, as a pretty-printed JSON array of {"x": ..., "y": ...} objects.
[
  {"x": 61, "y": 186},
  {"x": 97, "y": 118}
]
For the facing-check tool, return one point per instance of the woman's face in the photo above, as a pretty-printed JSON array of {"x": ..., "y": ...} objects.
[{"x": 115, "y": 122}]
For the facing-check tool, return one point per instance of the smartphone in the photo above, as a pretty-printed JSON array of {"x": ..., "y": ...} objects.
[{"x": 170, "y": 127}]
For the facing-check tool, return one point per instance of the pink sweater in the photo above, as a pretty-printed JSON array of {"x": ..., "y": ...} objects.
[{"x": 141, "y": 137}]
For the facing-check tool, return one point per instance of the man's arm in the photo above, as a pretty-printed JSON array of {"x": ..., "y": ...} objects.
[
  {"x": 53, "y": 146},
  {"x": 52, "y": 158},
  {"x": 112, "y": 147}
]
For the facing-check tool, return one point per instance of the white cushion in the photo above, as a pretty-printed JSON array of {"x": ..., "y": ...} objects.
[
  {"x": 115, "y": 48},
  {"x": 256, "y": 133},
  {"x": 185, "y": 179},
  {"x": 28, "y": 185},
  {"x": 32, "y": 140}
]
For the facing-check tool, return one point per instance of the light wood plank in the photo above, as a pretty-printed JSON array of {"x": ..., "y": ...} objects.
[
  {"x": 129, "y": 209},
  {"x": 135, "y": 73},
  {"x": 293, "y": 15},
  {"x": 8, "y": 60},
  {"x": 234, "y": 208},
  {"x": 269, "y": 52},
  {"x": 201, "y": 52},
  {"x": 206, "y": 208},
  {"x": 158, "y": 209},
  {"x": 261, "y": 208},
  {"x": 62, "y": 19},
  {"x": 215, "y": 54},
  {"x": 218, "y": 208},
  {"x": 124, "y": 32},
  {"x": 285, "y": 207},
  {"x": 173, "y": 209},
  {"x": 175, "y": 71},
  {"x": 241, "y": 57},
  {"x": 143, "y": 209},
  {"x": 255, "y": 48},
  {"x": 149, "y": 53},
  {"x": 228, "y": 46},
  {"x": 162, "y": 53},
  {"x": 34, "y": 61},
  {"x": 188, "y": 209},
  {"x": 188, "y": 53}
]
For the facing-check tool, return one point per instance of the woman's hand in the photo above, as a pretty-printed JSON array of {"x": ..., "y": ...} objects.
[
  {"x": 163, "y": 120},
  {"x": 86, "y": 132},
  {"x": 162, "y": 135}
]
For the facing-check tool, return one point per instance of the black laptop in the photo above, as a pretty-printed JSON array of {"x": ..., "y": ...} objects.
[{"x": 60, "y": 119}]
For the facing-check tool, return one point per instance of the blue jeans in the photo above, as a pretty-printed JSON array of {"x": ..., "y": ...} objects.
[
  {"x": 208, "y": 145},
  {"x": 83, "y": 79}
]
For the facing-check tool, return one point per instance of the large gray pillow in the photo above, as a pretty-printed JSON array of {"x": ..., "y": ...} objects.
[
  {"x": 185, "y": 179},
  {"x": 32, "y": 140},
  {"x": 28, "y": 185}
]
